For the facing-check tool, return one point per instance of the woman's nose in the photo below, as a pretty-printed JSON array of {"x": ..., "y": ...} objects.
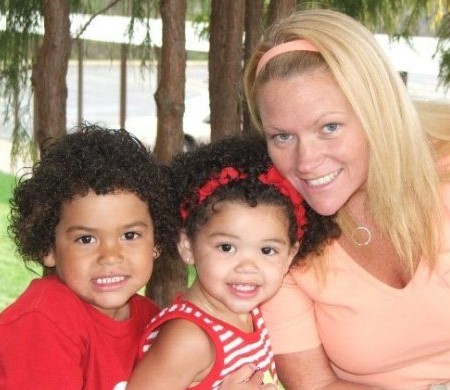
[{"x": 308, "y": 156}]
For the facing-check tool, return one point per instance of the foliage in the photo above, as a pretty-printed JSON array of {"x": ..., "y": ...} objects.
[
  {"x": 401, "y": 18},
  {"x": 443, "y": 48},
  {"x": 394, "y": 17},
  {"x": 21, "y": 19},
  {"x": 14, "y": 275},
  {"x": 17, "y": 43},
  {"x": 200, "y": 16}
]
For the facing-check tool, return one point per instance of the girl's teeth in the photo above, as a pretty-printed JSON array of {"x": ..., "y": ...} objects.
[
  {"x": 324, "y": 179},
  {"x": 244, "y": 287}
]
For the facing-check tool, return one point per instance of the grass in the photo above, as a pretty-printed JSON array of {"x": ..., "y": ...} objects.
[{"x": 14, "y": 276}]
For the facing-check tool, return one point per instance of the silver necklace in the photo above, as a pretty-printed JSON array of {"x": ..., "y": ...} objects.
[{"x": 361, "y": 236}]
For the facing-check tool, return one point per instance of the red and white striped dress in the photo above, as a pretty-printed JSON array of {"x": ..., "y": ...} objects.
[{"x": 234, "y": 348}]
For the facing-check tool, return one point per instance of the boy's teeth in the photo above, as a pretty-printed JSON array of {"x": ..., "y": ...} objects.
[
  {"x": 110, "y": 279},
  {"x": 320, "y": 181}
]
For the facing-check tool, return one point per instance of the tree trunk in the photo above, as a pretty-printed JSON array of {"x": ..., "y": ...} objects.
[
  {"x": 49, "y": 72},
  {"x": 170, "y": 275},
  {"x": 225, "y": 67},
  {"x": 170, "y": 93},
  {"x": 254, "y": 11},
  {"x": 279, "y": 9}
]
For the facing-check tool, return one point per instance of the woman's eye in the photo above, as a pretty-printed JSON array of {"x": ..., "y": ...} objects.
[
  {"x": 131, "y": 235},
  {"x": 267, "y": 250},
  {"x": 331, "y": 127},
  {"x": 226, "y": 247},
  {"x": 86, "y": 239},
  {"x": 282, "y": 137}
]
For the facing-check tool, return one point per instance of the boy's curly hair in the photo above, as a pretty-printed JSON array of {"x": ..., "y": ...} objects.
[
  {"x": 90, "y": 158},
  {"x": 249, "y": 155}
]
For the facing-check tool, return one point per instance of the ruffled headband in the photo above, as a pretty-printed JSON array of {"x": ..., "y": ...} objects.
[{"x": 270, "y": 177}]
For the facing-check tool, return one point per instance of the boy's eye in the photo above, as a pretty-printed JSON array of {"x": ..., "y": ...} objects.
[
  {"x": 87, "y": 239},
  {"x": 131, "y": 235}
]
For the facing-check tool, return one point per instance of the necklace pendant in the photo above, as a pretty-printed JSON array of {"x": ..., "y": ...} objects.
[{"x": 361, "y": 236}]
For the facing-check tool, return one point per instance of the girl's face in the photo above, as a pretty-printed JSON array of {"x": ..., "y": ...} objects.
[
  {"x": 315, "y": 139},
  {"x": 104, "y": 249},
  {"x": 241, "y": 255}
]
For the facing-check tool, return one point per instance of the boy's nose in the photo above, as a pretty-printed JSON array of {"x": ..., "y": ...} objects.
[{"x": 110, "y": 253}]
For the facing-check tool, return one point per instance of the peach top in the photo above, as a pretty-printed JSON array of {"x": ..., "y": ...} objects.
[{"x": 372, "y": 333}]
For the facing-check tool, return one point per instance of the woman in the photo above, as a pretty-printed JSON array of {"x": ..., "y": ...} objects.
[{"x": 369, "y": 311}]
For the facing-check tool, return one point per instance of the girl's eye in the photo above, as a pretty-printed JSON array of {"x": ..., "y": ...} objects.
[
  {"x": 226, "y": 247},
  {"x": 86, "y": 239},
  {"x": 131, "y": 235},
  {"x": 267, "y": 250},
  {"x": 331, "y": 128}
]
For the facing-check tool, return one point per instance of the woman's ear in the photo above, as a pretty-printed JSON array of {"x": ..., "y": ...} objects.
[
  {"x": 156, "y": 252},
  {"x": 185, "y": 248}
]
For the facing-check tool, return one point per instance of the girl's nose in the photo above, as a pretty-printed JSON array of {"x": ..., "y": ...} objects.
[{"x": 246, "y": 265}]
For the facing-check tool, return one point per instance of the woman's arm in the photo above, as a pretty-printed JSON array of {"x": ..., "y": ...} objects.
[{"x": 310, "y": 370}]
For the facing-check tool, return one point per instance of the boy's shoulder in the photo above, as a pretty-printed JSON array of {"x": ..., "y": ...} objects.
[
  {"x": 143, "y": 307},
  {"x": 49, "y": 301},
  {"x": 47, "y": 296}
]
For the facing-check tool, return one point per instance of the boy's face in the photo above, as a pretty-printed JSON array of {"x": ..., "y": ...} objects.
[{"x": 104, "y": 249}]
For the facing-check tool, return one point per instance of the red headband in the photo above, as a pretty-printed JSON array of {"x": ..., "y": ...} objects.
[{"x": 270, "y": 177}]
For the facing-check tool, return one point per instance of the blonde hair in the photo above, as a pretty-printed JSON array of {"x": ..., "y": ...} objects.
[{"x": 403, "y": 184}]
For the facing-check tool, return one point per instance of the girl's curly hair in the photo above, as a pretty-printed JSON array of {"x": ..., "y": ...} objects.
[
  {"x": 248, "y": 154},
  {"x": 90, "y": 158}
]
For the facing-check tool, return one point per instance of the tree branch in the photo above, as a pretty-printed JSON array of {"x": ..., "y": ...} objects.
[{"x": 93, "y": 16}]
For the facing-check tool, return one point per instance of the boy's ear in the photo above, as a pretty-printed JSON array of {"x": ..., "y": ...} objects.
[
  {"x": 49, "y": 259},
  {"x": 184, "y": 248}
]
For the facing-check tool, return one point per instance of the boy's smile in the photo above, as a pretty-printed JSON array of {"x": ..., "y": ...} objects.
[{"x": 104, "y": 249}]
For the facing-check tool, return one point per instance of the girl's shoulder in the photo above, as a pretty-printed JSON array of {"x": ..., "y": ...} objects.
[
  {"x": 178, "y": 342},
  {"x": 179, "y": 320}
]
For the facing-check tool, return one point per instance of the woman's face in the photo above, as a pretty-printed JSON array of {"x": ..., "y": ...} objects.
[{"x": 315, "y": 139}]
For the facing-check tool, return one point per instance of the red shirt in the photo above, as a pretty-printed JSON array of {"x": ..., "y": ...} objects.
[{"x": 51, "y": 339}]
